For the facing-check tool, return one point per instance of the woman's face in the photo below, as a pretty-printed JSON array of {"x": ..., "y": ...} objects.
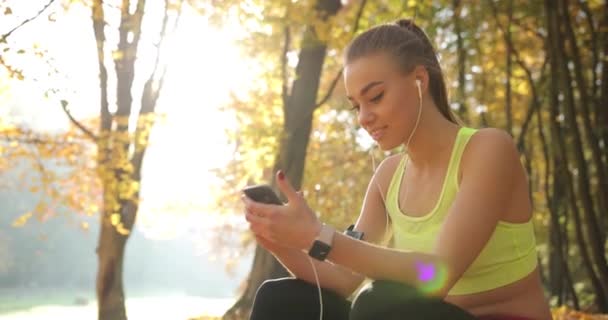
[{"x": 386, "y": 100}]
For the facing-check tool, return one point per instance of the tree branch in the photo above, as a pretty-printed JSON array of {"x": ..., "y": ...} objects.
[
  {"x": 151, "y": 93},
  {"x": 462, "y": 59},
  {"x": 332, "y": 86},
  {"x": 11, "y": 70},
  {"x": 98, "y": 18},
  {"x": 334, "y": 82},
  {"x": 594, "y": 45},
  {"x": 29, "y": 137},
  {"x": 5, "y": 36},
  {"x": 536, "y": 101},
  {"x": 87, "y": 132},
  {"x": 535, "y": 32},
  {"x": 284, "y": 89}
]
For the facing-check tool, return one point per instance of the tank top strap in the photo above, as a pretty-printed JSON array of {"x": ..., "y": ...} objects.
[
  {"x": 464, "y": 134},
  {"x": 393, "y": 188}
]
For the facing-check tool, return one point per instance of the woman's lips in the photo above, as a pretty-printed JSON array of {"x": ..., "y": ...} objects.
[{"x": 377, "y": 133}]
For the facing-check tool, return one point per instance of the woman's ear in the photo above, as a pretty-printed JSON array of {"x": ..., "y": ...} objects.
[{"x": 421, "y": 75}]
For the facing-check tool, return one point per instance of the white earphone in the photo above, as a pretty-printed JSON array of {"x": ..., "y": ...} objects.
[
  {"x": 314, "y": 269},
  {"x": 418, "y": 84}
]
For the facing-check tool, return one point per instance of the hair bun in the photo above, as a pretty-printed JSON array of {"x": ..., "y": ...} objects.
[
  {"x": 410, "y": 25},
  {"x": 406, "y": 23}
]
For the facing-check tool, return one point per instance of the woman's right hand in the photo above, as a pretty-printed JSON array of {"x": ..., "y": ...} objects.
[{"x": 273, "y": 247}]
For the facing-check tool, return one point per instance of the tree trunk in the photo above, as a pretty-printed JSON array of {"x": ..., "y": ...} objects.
[
  {"x": 586, "y": 99},
  {"x": 602, "y": 109},
  {"x": 119, "y": 153},
  {"x": 462, "y": 55},
  {"x": 109, "y": 283},
  {"x": 602, "y": 113},
  {"x": 298, "y": 116},
  {"x": 509, "y": 59},
  {"x": 559, "y": 272}
]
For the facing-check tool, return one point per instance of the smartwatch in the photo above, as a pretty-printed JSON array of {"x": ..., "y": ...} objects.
[{"x": 322, "y": 244}]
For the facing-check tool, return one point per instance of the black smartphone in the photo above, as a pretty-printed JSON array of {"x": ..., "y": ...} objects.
[{"x": 262, "y": 193}]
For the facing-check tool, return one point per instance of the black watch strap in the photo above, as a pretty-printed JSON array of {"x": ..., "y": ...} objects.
[{"x": 354, "y": 234}]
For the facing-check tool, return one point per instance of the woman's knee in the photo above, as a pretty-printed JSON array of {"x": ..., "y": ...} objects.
[
  {"x": 381, "y": 296},
  {"x": 296, "y": 299},
  {"x": 277, "y": 290},
  {"x": 392, "y": 300}
]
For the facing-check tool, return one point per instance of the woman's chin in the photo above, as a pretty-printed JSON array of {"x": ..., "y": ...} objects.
[{"x": 387, "y": 146}]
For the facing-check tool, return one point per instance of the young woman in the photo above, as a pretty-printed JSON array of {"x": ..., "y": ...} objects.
[{"x": 456, "y": 203}]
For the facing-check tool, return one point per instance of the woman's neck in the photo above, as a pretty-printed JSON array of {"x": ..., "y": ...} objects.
[{"x": 433, "y": 137}]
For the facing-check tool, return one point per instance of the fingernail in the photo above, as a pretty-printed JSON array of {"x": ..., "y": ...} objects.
[{"x": 281, "y": 175}]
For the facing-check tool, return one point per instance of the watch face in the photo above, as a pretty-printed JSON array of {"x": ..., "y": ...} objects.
[{"x": 319, "y": 250}]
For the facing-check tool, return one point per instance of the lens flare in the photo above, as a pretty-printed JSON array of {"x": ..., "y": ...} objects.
[{"x": 431, "y": 276}]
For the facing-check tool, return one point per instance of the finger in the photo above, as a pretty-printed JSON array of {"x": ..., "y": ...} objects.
[
  {"x": 286, "y": 187},
  {"x": 257, "y": 219},
  {"x": 259, "y": 231},
  {"x": 259, "y": 208}
]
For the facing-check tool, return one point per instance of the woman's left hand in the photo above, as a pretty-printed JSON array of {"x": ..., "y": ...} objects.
[{"x": 292, "y": 225}]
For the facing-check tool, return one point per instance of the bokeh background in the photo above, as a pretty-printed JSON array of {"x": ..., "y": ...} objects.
[{"x": 127, "y": 129}]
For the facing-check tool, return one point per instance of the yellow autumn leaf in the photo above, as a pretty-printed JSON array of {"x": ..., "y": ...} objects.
[
  {"x": 22, "y": 220},
  {"x": 117, "y": 55},
  {"x": 120, "y": 228},
  {"x": 122, "y": 120},
  {"x": 115, "y": 219}
]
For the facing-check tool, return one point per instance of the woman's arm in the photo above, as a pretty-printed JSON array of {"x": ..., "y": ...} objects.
[
  {"x": 331, "y": 276},
  {"x": 371, "y": 221},
  {"x": 490, "y": 169}
]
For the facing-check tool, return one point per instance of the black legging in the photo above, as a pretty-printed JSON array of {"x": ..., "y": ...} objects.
[{"x": 294, "y": 299}]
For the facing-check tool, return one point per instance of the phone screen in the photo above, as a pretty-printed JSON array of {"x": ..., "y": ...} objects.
[{"x": 262, "y": 193}]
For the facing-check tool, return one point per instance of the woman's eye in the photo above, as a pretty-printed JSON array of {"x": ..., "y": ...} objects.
[
  {"x": 378, "y": 97},
  {"x": 355, "y": 108}
]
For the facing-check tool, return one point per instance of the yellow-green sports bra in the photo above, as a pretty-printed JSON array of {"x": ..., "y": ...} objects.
[{"x": 509, "y": 255}]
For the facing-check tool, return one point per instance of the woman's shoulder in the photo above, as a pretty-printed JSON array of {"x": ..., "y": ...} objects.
[
  {"x": 490, "y": 148},
  {"x": 386, "y": 169},
  {"x": 389, "y": 164},
  {"x": 490, "y": 139}
]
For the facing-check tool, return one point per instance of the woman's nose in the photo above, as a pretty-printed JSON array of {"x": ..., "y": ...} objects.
[{"x": 365, "y": 117}]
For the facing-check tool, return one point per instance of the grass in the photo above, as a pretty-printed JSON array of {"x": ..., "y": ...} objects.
[{"x": 45, "y": 304}]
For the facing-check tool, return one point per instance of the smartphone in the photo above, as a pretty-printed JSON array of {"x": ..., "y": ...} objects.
[{"x": 262, "y": 193}]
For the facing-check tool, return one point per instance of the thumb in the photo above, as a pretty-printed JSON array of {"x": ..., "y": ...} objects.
[{"x": 286, "y": 187}]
